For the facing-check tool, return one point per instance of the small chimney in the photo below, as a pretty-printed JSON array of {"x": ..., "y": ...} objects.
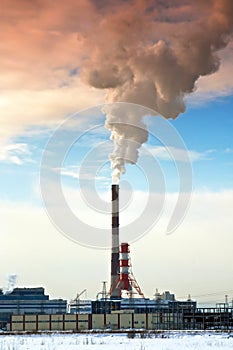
[{"x": 126, "y": 280}]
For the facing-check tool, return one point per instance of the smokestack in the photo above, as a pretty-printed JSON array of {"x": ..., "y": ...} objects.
[
  {"x": 115, "y": 241},
  {"x": 125, "y": 279},
  {"x": 125, "y": 268}
]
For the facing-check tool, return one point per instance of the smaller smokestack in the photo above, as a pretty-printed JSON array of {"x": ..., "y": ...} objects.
[
  {"x": 115, "y": 242},
  {"x": 126, "y": 280},
  {"x": 125, "y": 268}
]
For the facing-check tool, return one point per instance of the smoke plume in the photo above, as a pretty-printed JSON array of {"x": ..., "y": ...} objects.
[
  {"x": 11, "y": 280},
  {"x": 151, "y": 53}
]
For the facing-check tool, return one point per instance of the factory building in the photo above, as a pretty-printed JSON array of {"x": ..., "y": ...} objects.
[
  {"x": 166, "y": 301},
  {"x": 164, "y": 319},
  {"x": 22, "y": 301}
]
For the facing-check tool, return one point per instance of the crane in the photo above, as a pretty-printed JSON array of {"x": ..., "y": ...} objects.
[
  {"x": 76, "y": 301},
  {"x": 79, "y": 294}
]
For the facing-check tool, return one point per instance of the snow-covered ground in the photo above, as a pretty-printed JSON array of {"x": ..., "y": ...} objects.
[{"x": 169, "y": 341}]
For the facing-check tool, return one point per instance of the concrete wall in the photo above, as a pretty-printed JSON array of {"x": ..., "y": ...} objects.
[{"x": 81, "y": 322}]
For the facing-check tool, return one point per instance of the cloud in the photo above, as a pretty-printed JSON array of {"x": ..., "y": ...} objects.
[
  {"x": 228, "y": 150},
  {"x": 23, "y": 108},
  {"x": 218, "y": 84},
  {"x": 74, "y": 173},
  {"x": 178, "y": 155},
  {"x": 26, "y": 232},
  {"x": 182, "y": 262},
  {"x": 17, "y": 153},
  {"x": 71, "y": 171},
  {"x": 40, "y": 57}
]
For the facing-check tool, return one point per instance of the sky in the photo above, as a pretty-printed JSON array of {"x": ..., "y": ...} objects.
[{"x": 60, "y": 64}]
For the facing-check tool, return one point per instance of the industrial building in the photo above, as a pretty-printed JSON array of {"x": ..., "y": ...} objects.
[
  {"x": 24, "y": 301},
  {"x": 164, "y": 319}
]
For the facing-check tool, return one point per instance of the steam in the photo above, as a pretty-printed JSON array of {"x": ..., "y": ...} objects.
[
  {"x": 152, "y": 54},
  {"x": 127, "y": 137},
  {"x": 11, "y": 280}
]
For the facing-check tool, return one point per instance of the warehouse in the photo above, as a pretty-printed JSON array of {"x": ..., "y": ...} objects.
[{"x": 23, "y": 301}]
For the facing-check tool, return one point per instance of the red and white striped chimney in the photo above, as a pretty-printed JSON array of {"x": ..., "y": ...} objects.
[
  {"x": 115, "y": 293},
  {"x": 125, "y": 268}
]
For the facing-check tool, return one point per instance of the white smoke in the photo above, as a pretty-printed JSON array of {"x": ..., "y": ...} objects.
[
  {"x": 11, "y": 280},
  {"x": 152, "y": 53},
  {"x": 128, "y": 132}
]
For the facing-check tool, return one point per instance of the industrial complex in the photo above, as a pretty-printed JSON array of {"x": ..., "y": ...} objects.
[{"x": 123, "y": 306}]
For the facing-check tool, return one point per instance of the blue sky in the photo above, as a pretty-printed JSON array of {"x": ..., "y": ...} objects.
[{"x": 206, "y": 130}]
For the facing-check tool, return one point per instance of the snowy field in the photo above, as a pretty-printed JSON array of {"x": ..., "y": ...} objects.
[{"x": 169, "y": 341}]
